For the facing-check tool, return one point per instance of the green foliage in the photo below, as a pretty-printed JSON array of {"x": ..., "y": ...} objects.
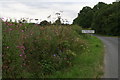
[
  {"x": 86, "y": 65},
  {"x": 84, "y": 18},
  {"x": 44, "y": 23},
  {"x": 30, "y": 51},
  {"x": 104, "y": 18},
  {"x": 58, "y": 21},
  {"x": 99, "y": 6}
]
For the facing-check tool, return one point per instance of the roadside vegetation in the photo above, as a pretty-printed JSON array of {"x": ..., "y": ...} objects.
[
  {"x": 89, "y": 64},
  {"x": 35, "y": 51},
  {"x": 52, "y": 50}
]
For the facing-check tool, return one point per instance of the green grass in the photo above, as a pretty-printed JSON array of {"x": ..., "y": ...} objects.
[
  {"x": 87, "y": 65},
  {"x": 107, "y": 35}
]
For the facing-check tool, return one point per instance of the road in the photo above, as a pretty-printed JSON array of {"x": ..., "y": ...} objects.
[{"x": 111, "y": 56}]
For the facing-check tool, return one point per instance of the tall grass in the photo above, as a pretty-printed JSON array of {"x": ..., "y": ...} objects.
[
  {"x": 87, "y": 65},
  {"x": 31, "y": 51}
]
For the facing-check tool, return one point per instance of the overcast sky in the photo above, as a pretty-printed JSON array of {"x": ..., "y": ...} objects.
[{"x": 41, "y": 9}]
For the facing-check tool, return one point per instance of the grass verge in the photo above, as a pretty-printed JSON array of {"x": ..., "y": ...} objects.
[
  {"x": 87, "y": 65},
  {"x": 108, "y": 35}
]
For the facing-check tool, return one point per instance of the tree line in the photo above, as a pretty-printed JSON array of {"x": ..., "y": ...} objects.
[{"x": 104, "y": 18}]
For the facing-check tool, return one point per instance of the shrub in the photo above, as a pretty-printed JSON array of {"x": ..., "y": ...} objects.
[{"x": 39, "y": 51}]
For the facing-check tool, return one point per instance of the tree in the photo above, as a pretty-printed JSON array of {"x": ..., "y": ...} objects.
[
  {"x": 99, "y": 6},
  {"x": 58, "y": 21},
  {"x": 84, "y": 18},
  {"x": 106, "y": 19},
  {"x": 103, "y": 18},
  {"x": 44, "y": 23}
]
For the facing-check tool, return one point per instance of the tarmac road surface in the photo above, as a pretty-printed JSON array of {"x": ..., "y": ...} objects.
[{"x": 111, "y": 56}]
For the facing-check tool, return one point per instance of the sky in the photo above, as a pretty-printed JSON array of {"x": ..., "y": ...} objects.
[{"x": 41, "y": 9}]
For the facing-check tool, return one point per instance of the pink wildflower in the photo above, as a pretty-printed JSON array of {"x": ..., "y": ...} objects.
[
  {"x": 21, "y": 47},
  {"x": 7, "y": 47},
  {"x": 10, "y": 29},
  {"x": 20, "y": 24},
  {"x": 6, "y": 23},
  {"x": 20, "y": 55},
  {"x": 22, "y": 30},
  {"x": 9, "y": 24}
]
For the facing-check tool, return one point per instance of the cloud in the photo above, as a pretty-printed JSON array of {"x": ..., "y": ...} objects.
[
  {"x": 42, "y": 8},
  {"x": 107, "y": 1}
]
